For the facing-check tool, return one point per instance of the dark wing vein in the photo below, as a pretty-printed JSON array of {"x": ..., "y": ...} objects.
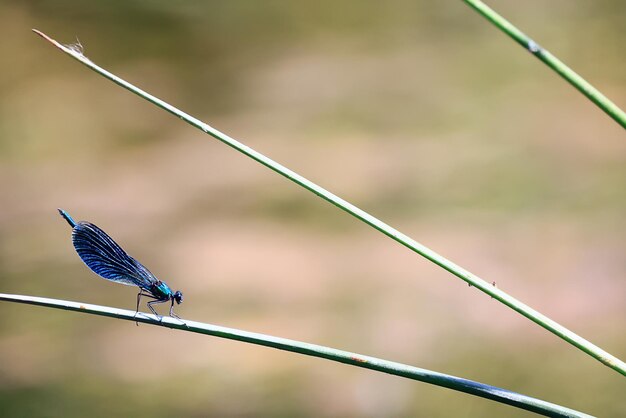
[{"x": 107, "y": 259}]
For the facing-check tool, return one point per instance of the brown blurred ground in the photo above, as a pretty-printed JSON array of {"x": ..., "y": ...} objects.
[{"x": 419, "y": 112}]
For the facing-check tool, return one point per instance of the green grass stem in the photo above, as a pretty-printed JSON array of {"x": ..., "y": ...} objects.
[
  {"x": 377, "y": 224},
  {"x": 398, "y": 369},
  {"x": 551, "y": 61}
]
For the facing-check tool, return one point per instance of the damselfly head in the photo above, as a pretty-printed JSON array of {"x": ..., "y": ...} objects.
[{"x": 178, "y": 297}]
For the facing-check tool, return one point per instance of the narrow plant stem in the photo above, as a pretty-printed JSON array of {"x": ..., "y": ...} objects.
[
  {"x": 439, "y": 379},
  {"x": 551, "y": 61},
  {"x": 377, "y": 224}
]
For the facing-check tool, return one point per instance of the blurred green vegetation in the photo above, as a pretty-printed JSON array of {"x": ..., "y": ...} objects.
[{"x": 419, "y": 112}]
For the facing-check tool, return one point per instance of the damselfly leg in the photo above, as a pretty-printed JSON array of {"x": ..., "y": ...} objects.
[
  {"x": 139, "y": 295},
  {"x": 154, "y": 302}
]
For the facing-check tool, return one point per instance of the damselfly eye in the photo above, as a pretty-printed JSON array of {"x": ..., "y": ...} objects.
[{"x": 178, "y": 297}]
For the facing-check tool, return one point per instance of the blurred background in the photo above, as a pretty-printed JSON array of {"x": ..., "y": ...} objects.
[{"x": 419, "y": 112}]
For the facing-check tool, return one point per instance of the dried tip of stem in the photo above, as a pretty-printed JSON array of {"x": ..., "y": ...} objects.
[
  {"x": 75, "y": 49},
  {"x": 46, "y": 37}
]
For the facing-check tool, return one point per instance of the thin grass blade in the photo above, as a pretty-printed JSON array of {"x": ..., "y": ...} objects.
[
  {"x": 472, "y": 279},
  {"x": 398, "y": 369},
  {"x": 551, "y": 61}
]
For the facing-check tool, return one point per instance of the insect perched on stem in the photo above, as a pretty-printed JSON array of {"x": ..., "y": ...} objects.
[{"x": 108, "y": 260}]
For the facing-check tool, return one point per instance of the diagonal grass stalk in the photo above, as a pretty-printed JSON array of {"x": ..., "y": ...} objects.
[
  {"x": 398, "y": 369},
  {"x": 360, "y": 214},
  {"x": 551, "y": 61}
]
